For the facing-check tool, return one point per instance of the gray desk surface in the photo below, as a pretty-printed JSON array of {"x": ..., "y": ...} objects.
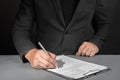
[{"x": 12, "y": 68}]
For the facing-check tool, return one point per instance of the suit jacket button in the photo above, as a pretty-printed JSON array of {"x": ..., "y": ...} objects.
[{"x": 65, "y": 32}]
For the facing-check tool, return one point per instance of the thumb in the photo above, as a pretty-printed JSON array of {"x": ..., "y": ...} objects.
[
  {"x": 52, "y": 55},
  {"x": 78, "y": 53}
]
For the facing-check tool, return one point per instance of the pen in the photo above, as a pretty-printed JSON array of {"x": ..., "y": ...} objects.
[{"x": 44, "y": 50}]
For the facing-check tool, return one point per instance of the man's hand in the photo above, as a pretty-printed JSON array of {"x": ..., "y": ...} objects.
[
  {"x": 41, "y": 60},
  {"x": 87, "y": 49}
]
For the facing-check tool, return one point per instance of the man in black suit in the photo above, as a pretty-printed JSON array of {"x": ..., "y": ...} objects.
[{"x": 62, "y": 26}]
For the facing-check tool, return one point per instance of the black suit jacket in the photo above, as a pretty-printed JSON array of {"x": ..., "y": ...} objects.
[{"x": 45, "y": 20}]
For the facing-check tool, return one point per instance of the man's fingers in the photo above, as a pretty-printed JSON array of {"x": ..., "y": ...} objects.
[
  {"x": 41, "y": 63},
  {"x": 45, "y": 62},
  {"x": 50, "y": 58},
  {"x": 44, "y": 55},
  {"x": 52, "y": 55},
  {"x": 88, "y": 52},
  {"x": 54, "y": 61},
  {"x": 42, "y": 60},
  {"x": 84, "y": 51},
  {"x": 87, "y": 49},
  {"x": 36, "y": 65},
  {"x": 78, "y": 53},
  {"x": 81, "y": 48},
  {"x": 92, "y": 53},
  {"x": 47, "y": 57}
]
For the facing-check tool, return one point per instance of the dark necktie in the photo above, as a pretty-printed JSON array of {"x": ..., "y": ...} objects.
[{"x": 68, "y": 9}]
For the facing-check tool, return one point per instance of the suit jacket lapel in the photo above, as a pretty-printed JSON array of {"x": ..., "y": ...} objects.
[{"x": 58, "y": 9}]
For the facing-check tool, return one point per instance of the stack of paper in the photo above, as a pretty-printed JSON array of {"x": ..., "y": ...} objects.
[{"x": 74, "y": 68}]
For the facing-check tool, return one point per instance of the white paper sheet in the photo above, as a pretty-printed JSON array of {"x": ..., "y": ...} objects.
[{"x": 74, "y": 68}]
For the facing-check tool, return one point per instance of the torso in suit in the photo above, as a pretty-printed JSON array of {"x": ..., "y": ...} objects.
[{"x": 50, "y": 27}]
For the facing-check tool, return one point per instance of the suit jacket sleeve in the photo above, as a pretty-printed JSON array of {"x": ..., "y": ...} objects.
[
  {"x": 22, "y": 27},
  {"x": 101, "y": 24}
]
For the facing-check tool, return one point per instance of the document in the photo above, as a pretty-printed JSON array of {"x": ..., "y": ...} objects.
[{"x": 74, "y": 68}]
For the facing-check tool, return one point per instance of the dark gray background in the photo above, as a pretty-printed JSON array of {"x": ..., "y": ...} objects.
[{"x": 9, "y": 8}]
